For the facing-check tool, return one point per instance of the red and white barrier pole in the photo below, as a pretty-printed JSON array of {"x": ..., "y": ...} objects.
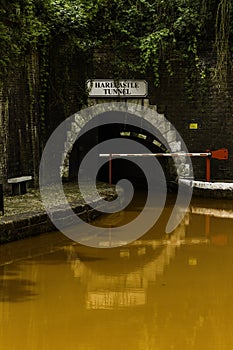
[
  {"x": 177, "y": 154},
  {"x": 221, "y": 154}
]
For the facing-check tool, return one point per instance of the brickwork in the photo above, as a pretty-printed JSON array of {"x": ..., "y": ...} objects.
[
  {"x": 66, "y": 86},
  {"x": 20, "y": 119},
  {"x": 3, "y": 136},
  {"x": 213, "y": 114},
  {"x": 199, "y": 103}
]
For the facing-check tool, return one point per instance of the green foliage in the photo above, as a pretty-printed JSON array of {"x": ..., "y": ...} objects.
[{"x": 156, "y": 31}]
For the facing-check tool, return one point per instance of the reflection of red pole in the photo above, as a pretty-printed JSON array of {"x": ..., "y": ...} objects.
[
  {"x": 110, "y": 236},
  {"x": 207, "y": 225},
  {"x": 208, "y": 167},
  {"x": 110, "y": 169}
]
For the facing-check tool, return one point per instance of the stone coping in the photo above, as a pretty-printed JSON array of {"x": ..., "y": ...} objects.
[
  {"x": 216, "y": 189},
  {"x": 209, "y": 185}
]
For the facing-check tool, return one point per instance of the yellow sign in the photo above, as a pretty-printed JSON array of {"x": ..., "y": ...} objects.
[{"x": 193, "y": 126}]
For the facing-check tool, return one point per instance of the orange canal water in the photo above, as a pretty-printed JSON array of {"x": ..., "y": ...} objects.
[{"x": 161, "y": 292}]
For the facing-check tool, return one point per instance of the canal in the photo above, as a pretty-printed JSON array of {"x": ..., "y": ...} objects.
[{"x": 161, "y": 292}]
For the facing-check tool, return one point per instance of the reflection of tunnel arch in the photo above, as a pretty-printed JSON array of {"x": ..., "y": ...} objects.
[{"x": 146, "y": 260}]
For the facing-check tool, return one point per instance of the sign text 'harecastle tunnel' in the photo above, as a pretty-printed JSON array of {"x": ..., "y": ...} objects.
[{"x": 119, "y": 88}]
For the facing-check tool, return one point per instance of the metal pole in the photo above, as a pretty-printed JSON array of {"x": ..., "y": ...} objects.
[{"x": 208, "y": 168}]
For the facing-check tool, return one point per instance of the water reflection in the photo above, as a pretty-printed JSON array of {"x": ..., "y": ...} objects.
[{"x": 160, "y": 292}]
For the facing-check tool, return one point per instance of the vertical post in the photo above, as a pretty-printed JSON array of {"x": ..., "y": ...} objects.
[
  {"x": 110, "y": 169},
  {"x": 208, "y": 167},
  {"x": 1, "y": 200}
]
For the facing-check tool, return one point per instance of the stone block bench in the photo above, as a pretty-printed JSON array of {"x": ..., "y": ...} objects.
[{"x": 19, "y": 184}]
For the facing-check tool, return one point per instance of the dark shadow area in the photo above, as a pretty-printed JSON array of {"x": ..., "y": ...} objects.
[
  {"x": 31, "y": 246},
  {"x": 16, "y": 290},
  {"x": 122, "y": 168}
]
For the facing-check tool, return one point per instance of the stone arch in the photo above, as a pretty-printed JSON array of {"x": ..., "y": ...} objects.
[{"x": 172, "y": 139}]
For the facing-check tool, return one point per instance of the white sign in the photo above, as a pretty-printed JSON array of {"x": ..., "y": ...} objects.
[{"x": 120, "y": 88}]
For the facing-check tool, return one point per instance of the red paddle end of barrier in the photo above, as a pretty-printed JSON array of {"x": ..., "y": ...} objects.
[{"x": 221, "y": 153}]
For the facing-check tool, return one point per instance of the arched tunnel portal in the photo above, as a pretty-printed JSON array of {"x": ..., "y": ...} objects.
[{"x": 121, "y": 168}]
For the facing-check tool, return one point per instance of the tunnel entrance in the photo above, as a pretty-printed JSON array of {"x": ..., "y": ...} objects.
[
  {"x": 121, "y": 168},
  {"x": 126, "y": 168}
]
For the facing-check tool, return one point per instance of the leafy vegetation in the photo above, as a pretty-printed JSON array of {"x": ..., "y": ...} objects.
[{"x": 157, "y": 31}]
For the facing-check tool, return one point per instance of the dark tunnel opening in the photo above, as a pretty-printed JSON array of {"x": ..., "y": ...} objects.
[{"x": 122, "y": 168}]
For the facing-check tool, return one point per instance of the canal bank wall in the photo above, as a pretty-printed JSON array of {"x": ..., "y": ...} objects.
[
  {"x": 30, "y": 224},
  {"x": 25, "y": 216}
]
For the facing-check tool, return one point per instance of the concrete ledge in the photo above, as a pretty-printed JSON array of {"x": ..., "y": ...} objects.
[{"x": 219, "y": 190}]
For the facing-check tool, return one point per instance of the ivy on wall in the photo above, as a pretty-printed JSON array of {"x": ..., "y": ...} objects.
[
  {"x": 157, "y": 30},
  {"x": 224, "y": 30}
]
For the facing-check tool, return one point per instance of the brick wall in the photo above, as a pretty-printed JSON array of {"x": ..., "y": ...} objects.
[
  {"x": 212, "y": 111},
  {"x": 66, "y": 86},
  {"x": 23, "y": 128},
  {"x": 3, "y": 135},
  {"x": 202, "y": 104},
  {"x": 20, "y": 119}
]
